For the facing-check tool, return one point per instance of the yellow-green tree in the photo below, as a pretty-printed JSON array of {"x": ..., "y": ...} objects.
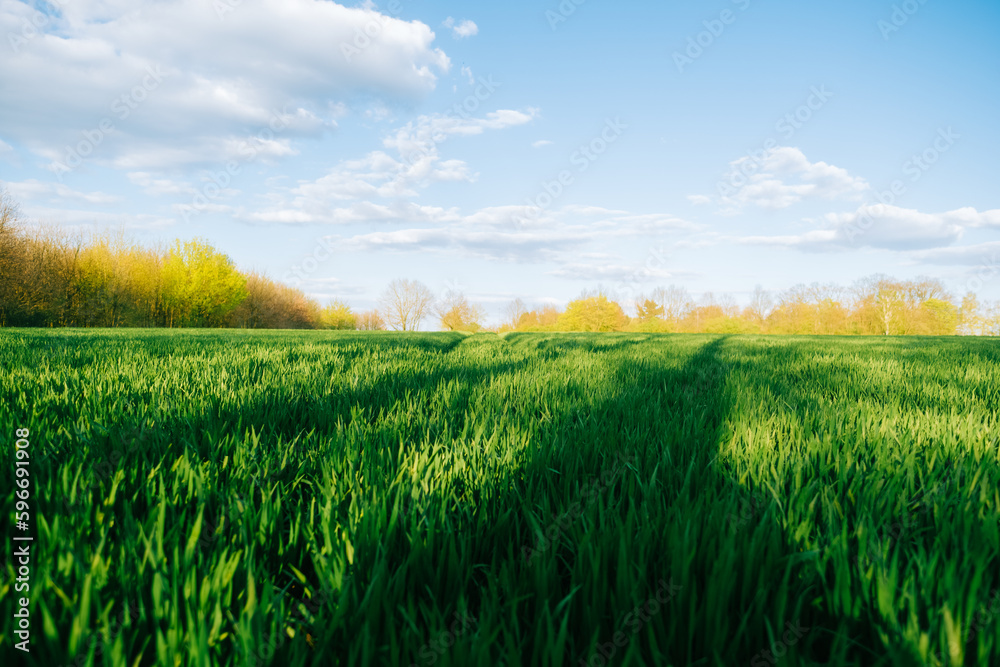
[
  {"x": 593, "y": 313},
  {"x": 338, "y": 315},
  {"x": 201, "y": 285},
  {"x": 970, "y": 318},
  {"x": 143, "y": 269},
  {"x": 937, "y": 317},
  {"x": 115, "y": 282},
  {"x": 647, "y": 310},
  {"x": 648, "y": 316},
  {"x": 457, "y": 314}
]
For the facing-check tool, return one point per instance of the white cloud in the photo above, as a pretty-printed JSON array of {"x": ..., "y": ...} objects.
[
  {"x": 885, "y": 227},
  {"x": 494, "y": 233},
  {"x": 35, "y": 190},
  {"x": 360, "y": 212},
  {"x": 613, "y": 272},
  {"x": 70, "y": 219},
  {"x": 160, "y": 186},
  {"x": 326, "y": 289},
  {"x": 784, "y": 177},
  {"x": 467, "y": 73},
  {"x": 182, "y": 82},
  {"x": 351, "y": 191},
  {"x": 895, "y": 228},
  {"x": 378, "y": 113},
  {"x": 981, "y": 254},
  {"x": 542, "y": 142},
  {"x": 970, "y": 217},
  {"x": 461, "y": 29},
  {"x": 487, "y": 244},
  {"x": 699, "y": 200},
  {"x": 816, "y": 240}
]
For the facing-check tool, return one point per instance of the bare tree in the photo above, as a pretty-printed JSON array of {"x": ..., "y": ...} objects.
[
  {"x": 887, "y": 303},
  {"x": 513, "y": 312},
  {"x": 728, "y": 305},
  {"x": 10, "y": 212},
  {"x": 675, "y": 301},
  {"x": 761, "y": 305},
  {"x": 926, "y": 288},
  {"x": 404, "y": 304}
]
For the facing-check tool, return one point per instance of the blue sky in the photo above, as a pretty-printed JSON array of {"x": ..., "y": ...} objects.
[{"x": 713, "y": 145}]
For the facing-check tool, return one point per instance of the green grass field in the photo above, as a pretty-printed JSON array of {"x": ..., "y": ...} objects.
[{"x": 310, "y": 498}]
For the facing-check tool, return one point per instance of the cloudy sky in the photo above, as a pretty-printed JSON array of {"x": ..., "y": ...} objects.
[{"x": 530, "y": 149}]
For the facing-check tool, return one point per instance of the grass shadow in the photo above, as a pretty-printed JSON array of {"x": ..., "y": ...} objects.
[{"x": 550, "y": 487}]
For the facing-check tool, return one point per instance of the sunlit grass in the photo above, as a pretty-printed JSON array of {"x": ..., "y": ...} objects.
[{"x": 299, "y": 498}]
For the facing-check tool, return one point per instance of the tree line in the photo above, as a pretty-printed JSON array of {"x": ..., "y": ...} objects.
[
  {"x": 54, "y": 278},
  {"x": 49, "y": 277},
  {"x": 877, "y": 305}
]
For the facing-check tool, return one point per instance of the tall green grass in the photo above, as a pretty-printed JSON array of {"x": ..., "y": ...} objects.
[{"x": 307, "y": 498}]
